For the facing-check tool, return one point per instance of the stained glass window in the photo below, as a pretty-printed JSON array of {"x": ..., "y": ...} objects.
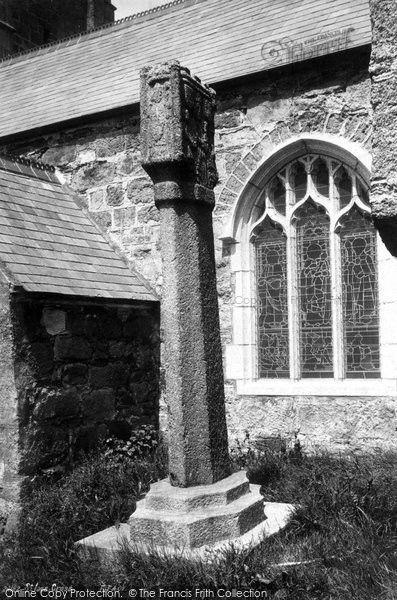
[
  {"x": 316, "y": 274},
  {"x": 299, "y": 181},
  {"x": 360, "y": 297},
  {"x": 320, "y": 176},
  {"x": 343, "y": 185},
  {"x": 314, "y": 288},
  {"x": 278, "y": 195},
  {"x": 271, "y": 278}
]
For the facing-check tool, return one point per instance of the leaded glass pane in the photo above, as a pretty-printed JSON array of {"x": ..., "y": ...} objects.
[
  {"x": 343, "y": 186},
  {"x": 278, "y": 195},
  {"x": 271, "y": 277},
  {"x": 299, "y": 181},
  {"x": 320, "y": 177},
  {"x": 360, "y": 296},
  {"x": 353, "y": 292},
  {"x": 314, "y": 281}
]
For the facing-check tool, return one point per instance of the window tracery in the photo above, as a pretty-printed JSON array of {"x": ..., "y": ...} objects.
[{"x": 316, "y": 276}]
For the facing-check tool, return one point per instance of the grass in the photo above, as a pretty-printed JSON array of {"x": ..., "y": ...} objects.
[{"x": 340, "y": 545}]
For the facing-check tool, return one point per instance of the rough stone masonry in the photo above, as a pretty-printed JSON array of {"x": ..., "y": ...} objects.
[{"x": 383, "y": 97}]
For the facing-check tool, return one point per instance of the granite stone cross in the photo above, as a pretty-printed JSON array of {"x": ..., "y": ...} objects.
[
  {"x": 177, "y": 137},
  {"x": 202, "y": 508}
]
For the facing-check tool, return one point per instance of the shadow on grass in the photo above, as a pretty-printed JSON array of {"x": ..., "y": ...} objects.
[{"x": 341, "y": 543}]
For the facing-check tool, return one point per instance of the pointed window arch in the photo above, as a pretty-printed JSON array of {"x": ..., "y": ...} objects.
[{"x": 316, "y": 274}]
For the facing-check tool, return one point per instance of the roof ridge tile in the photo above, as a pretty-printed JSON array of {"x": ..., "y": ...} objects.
[
  {"x": 29, "y": 167},
  {"x": 80, "y": 34}
]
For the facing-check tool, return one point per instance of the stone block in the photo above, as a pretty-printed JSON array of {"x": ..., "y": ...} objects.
[
  {"x": 132, "y": 139},
  {"x": 114, "y": 194},
  {"x": 98, "y": 405},
  {"x": 67, "y": 348},
  {"x": 241, "y": 172},
  {"x": 117, "y": 349},
  {"x": 237, "y": 137},
  {"x": 86, "y": 156},
  {"x": 250, "y": 161},
  {"x": 148, "y": 214},
  {"x": 123, "y": 217},
  {"x": 234, "y": 184},
  {"x": 198, "y": 528},
  {"x": 137, "y": 327},
  {"x": 93, "y": 175},
  {"x": 103, "y": 219},
  {"x": 54, "y": 321},
  {"x": 141, "y": 391},
  {"x": 261, "y": 111},
  {"x": 164, "y": 497},
  {"x": 111, "y": 144},
  {"x": 101, "y": 350},
  {"x": 131, "y": 164},
  {"x": 74, "y": 374},
  {"x": 56, "y": 404},
  {"x": 140, "y": 191},
  {"x": 143, "y": 357},
  {"x": 75, "y": 322},
  {"x": 113, "y": 375},
  {"x": 227, "y": 197},
  {"x": 198, "y": 520},
  {"x": 41, "y": 358},
  {"x": 96, "y": 200},
  {"x": 334, "y": 123},
  {"x": 232, "y": 158},
  {"x": 228, "y": 119},
  {"x": 59, "y": 155},
  {"x": 124, "y": 399},
  {"x": 109, "y": 326}
]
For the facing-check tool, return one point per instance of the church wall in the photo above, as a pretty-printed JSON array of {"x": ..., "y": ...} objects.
[
  {"x": 71, "y": 376},
  {"x": 383, "y": 70},
  {"x": 9, "y": 451},
  {"x": 100, "y": 161}
]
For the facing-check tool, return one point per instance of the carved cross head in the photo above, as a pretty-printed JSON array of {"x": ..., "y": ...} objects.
[{"x": 177, "y": 126}]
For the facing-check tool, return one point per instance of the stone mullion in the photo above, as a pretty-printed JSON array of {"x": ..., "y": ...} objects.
[
  {"x": 253, "y": 364},
  {"x": 337, "y": 308},
  {"x": 336, "y": 280},
  {"x": 292, "y": 283}
]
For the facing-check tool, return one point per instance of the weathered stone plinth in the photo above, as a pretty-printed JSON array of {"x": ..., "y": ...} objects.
[
  {"x": 197, "y": 516},
  {"x": 195, "y": 522}
]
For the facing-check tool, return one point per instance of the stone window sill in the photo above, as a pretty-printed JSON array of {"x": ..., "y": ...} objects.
[{"x": 318, "y": 387}]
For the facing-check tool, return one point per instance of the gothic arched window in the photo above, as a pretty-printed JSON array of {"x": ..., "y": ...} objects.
[{"x": 316, "y": 274}]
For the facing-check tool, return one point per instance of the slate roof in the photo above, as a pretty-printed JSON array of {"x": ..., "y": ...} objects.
[
  {"x": 217, "y": 39},
  {"x": 48, "y": 244}
]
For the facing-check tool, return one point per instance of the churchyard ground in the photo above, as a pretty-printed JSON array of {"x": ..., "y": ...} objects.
[{"x": 341, "y": 543}]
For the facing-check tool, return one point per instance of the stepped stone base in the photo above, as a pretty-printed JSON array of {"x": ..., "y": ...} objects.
[{"x": 196, "y": 522}]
